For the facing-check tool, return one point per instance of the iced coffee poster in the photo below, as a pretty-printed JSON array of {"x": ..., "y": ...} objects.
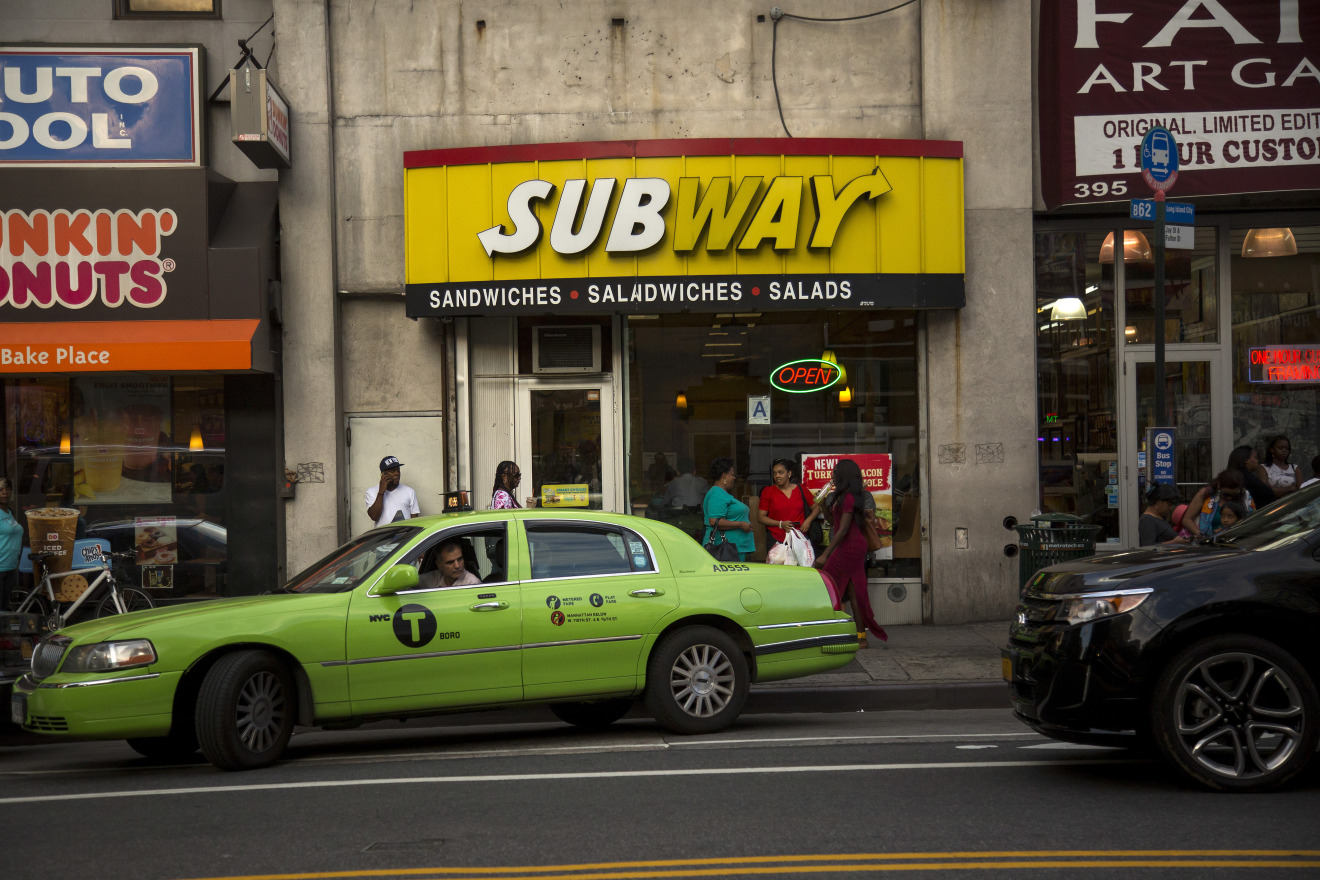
[
  {"x": 877, "y": 468},
  {"x": 121, "y": 442},
  {"x": 156, "y": 540}
]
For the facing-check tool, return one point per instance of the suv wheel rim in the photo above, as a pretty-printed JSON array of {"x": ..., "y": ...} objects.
[
  {"x": 1239, "y": 716},
  {"x": 702, "y": 681},
  {"x": 260, "y": 713}
]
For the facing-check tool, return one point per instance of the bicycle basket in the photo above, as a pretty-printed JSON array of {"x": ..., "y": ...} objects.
[{"x": 70, "y": 587}]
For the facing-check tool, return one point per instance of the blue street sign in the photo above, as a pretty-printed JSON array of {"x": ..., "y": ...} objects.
[
  {"x": 1143, "y": 209},
  {"x": 1180, "y": 213},
  {"x": 1159, "y": 159},
  {"x": 1160, "y": 443}
]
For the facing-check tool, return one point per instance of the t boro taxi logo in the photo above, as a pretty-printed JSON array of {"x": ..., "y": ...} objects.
[{"x": 73, "y": 258}]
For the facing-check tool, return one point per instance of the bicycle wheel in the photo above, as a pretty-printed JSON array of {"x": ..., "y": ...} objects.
[
  {"x": 132, "y": 598},
  {"x": 36, "y": 604}
]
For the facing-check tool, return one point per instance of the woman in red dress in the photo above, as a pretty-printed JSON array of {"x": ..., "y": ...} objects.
[
  {"x": 783, "y": 505},
  {"x": 844, "y": 559}
]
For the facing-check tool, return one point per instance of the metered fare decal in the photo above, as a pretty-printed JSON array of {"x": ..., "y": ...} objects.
[{"x": 74, "y": 258}]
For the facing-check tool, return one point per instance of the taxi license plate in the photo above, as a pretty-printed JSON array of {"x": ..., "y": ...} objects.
[{"x": 18, "y": 708}]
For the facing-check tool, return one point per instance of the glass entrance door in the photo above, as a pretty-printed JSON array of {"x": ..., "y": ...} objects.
[
  {"x": 1194, "y": 414},
  {"x": 566, "y": 444}
]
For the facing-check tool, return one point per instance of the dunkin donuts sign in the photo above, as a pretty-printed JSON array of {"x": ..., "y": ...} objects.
[{"x": 75, "y": 258}]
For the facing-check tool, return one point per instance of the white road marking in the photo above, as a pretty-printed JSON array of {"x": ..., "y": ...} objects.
[
  {"x": 977, "y": 746},
  {"x": 1072, "y": 747},
  {"x": 544, "y": 777}
]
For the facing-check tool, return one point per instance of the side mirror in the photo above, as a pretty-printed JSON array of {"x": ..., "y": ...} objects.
[{"x": 396, "y": 580}]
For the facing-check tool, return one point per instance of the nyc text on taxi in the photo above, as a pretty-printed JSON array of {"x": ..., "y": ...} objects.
[{"x": 582, "y": 611}]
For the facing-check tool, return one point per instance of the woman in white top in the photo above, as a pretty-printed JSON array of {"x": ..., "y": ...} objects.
[{"x": 1283, "y": 478}]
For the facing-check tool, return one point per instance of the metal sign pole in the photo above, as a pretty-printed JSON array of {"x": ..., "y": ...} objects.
[{"x": 1161, "y": 415}]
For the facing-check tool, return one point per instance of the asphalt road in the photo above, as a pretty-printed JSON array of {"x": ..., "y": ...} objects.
[{"x": 913, "y": 793}]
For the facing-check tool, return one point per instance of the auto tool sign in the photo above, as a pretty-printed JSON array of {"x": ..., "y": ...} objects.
[
  {"x": 1235, "y": 82},
  {"x": 131, "y": 106}
]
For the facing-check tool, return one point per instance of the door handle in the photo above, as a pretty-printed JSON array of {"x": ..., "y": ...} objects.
[
  {"x": 489, "y": 606},
  {"x": 648, "y": 593}
]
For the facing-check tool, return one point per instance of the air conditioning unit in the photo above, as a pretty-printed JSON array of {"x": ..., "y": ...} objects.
[{"x": 573, "y": 349}]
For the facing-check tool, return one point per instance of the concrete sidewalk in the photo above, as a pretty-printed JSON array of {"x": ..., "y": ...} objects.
[{"x": 920, "y": 667}]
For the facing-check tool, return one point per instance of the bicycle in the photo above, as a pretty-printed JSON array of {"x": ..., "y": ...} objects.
[{"x": 75, "y": 591}]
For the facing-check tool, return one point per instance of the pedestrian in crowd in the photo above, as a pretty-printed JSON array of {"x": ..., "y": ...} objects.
[
  {"x": 687, "y": 489},
  {"x": 844, "y": 559},
  {"x": 1154, "y": 527},
  {"x": 390, "y": 500},
  {"x": 1315, "y": 473},
  {"x": 1244, "y": 459},
  {"x": 724, "y": 513},
  {"x": 783, "y": 503},
  {"x": 1202, "y": 518},
  {"x": 504, "y": 496},
  {"x": 446, "y": 567},
  {"x": 659, "y": 473},
  {"x": 11, "y": 543},
  {"x": 1232, "y": 513},
  {"x": 1284, "y": 478}
]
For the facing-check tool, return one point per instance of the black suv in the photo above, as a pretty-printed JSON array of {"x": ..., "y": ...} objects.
[{"x": 1209, "y": 651}]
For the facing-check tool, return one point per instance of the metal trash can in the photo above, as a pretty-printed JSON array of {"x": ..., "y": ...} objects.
[{"x": 1049, "y": 539}]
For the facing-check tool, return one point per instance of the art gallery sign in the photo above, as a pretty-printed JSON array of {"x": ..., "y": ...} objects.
[{"x": 692, "y": 225}]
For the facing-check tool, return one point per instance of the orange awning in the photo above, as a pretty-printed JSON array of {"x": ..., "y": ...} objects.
[{"x": 126, "y": 346}]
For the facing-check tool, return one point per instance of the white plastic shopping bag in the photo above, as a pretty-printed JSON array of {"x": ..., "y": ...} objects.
[
  {"x": 778, "y": 555},
  {"x": 800, "y": 551}
]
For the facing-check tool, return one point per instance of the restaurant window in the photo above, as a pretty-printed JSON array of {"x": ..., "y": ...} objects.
[
  {"x": 141, "y": 459},
  {"x": 1276, "y": 302},
  {"x": 690, "y": 378},
  {"x": 1076, "y": 356}
]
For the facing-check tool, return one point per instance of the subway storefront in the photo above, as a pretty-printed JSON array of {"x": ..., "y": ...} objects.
[{"x": 626, "y": 313}]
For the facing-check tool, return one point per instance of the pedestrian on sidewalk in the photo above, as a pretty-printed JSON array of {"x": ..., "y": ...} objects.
[
  {"x": 391, "y": 501},
  {"x": 844, "y": 560}
]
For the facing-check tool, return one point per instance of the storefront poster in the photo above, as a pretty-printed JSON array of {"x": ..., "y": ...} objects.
[
  {"x": 566, "y": 495},
  {"x": 877, "y": 468},
  {"x": 1235, "y": 81},
  {"x": 156, "y": 540},
  {"x": 120, "y": 441}
]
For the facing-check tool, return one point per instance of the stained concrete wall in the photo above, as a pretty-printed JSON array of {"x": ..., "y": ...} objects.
[{"x": 395, "y": 75}]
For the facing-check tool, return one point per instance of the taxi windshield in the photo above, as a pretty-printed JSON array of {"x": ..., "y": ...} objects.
[
  {"x": 1294, "y": 517},
  {"x": 352, "y": 563}
]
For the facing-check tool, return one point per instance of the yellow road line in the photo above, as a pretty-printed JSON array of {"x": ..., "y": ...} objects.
[{"x": 762, "y": 865}]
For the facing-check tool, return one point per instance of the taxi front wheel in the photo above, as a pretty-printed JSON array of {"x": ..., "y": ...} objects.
[
  {"x": 246, "y": 710},
  {"x": 696, "y": 681}
]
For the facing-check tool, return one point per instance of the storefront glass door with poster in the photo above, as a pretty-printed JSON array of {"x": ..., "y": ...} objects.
[
  {"x": 1194, "y": 415},
  {"x": 565, "y": 444}
]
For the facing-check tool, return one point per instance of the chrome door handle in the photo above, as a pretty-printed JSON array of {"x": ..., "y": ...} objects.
[
  {"x": 490, "y": 606},
  {"x": 647, "y": 593}
]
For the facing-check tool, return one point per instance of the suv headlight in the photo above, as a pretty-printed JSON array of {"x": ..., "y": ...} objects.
[
  {"x": 1085, "y": 607},
  {"x": 109, "y": 655}
]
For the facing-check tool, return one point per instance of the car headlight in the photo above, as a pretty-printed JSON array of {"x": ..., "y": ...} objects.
[
  {"x": 104, "y": 656},
  {"x": 1085, "y": 607}
]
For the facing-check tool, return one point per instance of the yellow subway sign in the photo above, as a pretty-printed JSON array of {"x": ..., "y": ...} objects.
[{"x": 686, "y": 225}]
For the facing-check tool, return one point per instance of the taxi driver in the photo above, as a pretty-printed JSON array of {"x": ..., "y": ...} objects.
[{"x": 449, "y": 569}]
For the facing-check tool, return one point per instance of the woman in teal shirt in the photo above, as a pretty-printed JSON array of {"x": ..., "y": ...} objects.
[
  {"x": 726, "y": 513},
  {"x": 11, "y": 542}
]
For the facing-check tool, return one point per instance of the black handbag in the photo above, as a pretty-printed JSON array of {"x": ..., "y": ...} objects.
[
  {"x": 815, "y": 534},
  {"x": 721, "y": 549}
]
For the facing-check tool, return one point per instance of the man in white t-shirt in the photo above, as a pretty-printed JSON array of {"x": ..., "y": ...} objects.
[{"x": 391, "y": 500}]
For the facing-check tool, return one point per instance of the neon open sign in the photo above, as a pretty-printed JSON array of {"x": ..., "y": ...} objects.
[{"x": 801, "y": 377}]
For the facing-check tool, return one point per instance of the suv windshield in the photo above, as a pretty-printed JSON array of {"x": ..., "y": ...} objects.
[
  {"x": 1295, "y": 516},
  {"x": 352, "y": 563}
]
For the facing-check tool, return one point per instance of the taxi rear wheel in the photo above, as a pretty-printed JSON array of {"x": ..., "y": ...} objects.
[
  {"x": 246, "y": 710},
  {"x": 591, "y": 715},
  {"x": 696, "y": 681}
]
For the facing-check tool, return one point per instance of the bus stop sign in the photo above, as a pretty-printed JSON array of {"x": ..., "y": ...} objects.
[{"x": 1159, "y": 159}]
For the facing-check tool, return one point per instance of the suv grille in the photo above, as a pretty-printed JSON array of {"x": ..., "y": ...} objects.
[{"x": 46, "y": 659}]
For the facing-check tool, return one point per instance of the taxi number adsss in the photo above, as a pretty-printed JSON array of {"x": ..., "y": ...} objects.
[{"x": 718, "y": 568}]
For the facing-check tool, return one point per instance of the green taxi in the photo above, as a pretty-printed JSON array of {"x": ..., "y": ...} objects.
[{"x": 583, "y": 611}]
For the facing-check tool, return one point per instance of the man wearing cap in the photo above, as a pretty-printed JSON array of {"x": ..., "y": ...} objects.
[{"x": 391, "y": 500}]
